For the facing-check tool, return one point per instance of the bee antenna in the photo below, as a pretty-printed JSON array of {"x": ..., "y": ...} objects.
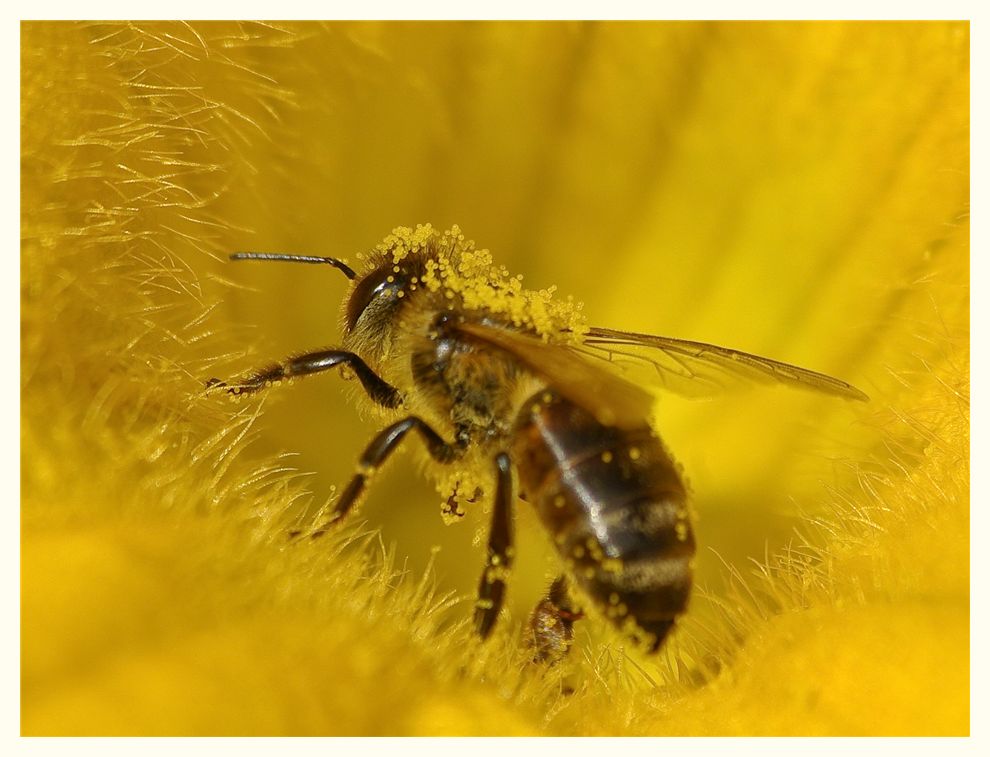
[{"x": 340, "y": 265}]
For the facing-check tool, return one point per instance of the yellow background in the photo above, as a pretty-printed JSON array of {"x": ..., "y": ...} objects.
[{"x": 795, "y": 190}]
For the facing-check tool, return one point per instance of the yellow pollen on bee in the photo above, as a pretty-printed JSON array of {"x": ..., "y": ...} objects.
[
  {"x": 547, "y": 398},
  {"x": 634, "y": 453},
  {"x": 400, "y": 294},
  {"x": 456, "y": 264},
  {"x": 496, "y": 573},
  {"x": 595, "y": 550},
  {"x": 366, "y": 470},
  {"x": 390, "y": 279},
  {"x": 607, "y": 457},
  {"x": 612, "y": 565},
  {"x": 559, "y": 501},
  {"x": 589, "y": 573},
  {"x": 613, "y": 598},
  {"x": 396, "y": 269},
  {"x": 578, "y": 551},
  {"x": 681, "y": 529}
]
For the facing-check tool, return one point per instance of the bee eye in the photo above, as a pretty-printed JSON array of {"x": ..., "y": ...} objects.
[
  {"x": 383, "y": 285},
  {"x": 376, "y": 284}
]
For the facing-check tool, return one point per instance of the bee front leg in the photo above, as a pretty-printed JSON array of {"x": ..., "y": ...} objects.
[
  {"x": 491, "y": 590},
  {"x": 377, "y": 388},
  {"x": 376, "y": 453},
  {"x": 550, "y": 631}
]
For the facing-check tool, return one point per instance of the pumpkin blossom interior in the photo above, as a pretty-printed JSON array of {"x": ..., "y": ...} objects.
[{"x": 796, "y": 190}]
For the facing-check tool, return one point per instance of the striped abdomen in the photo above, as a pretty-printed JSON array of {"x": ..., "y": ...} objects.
[{"x": 616, "y": 508}]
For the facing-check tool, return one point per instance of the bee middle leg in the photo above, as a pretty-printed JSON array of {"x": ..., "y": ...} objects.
[
  {"x": 491, "y": 589},
  {"x": 376, "y": 453}
]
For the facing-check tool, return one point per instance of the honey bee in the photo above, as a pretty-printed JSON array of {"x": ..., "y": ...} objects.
[{"x": 494, "y": 377}]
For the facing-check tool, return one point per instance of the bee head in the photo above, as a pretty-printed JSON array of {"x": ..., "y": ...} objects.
[{"x": 376, "y": 298}]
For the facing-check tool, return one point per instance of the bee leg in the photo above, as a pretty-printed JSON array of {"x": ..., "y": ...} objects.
[
  {"x": 376, "y": 453},
  {"x": 491, "y": 590},
  {"x": 315, "y": 362},
  {"x": 550, "y": 631}
]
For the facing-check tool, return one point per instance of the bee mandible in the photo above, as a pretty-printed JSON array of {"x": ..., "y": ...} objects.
[{"x": 494, "y": 377}]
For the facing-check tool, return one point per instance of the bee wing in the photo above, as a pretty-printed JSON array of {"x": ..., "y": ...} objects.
[
  {"x": 696, "y": 369},
  {"x": 610, "y": 397}
]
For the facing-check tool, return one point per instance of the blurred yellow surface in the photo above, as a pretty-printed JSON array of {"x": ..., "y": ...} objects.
[{"x": 799, "y": 191}]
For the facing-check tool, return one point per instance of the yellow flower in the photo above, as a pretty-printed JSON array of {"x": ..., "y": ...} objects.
[{"x": 795, "y": 190}]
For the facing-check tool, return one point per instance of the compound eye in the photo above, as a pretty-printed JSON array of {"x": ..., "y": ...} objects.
[{"x": 371, "y": 286}]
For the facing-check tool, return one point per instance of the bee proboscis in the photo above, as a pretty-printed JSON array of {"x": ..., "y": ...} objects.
[{"x": 495, "y": 377}]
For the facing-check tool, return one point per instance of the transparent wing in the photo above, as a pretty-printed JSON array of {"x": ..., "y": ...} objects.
[
  {"x": 696, "y": 369},
  {"x": 614, "y": 400}
]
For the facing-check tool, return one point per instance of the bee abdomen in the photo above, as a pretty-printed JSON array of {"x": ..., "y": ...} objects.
[{"x": 614, "y": 503}]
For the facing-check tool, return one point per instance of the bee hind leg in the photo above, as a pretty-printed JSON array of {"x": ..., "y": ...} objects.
[
  {"x": 491, "y": 589},
  {"x": 550, "y": 631}
]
